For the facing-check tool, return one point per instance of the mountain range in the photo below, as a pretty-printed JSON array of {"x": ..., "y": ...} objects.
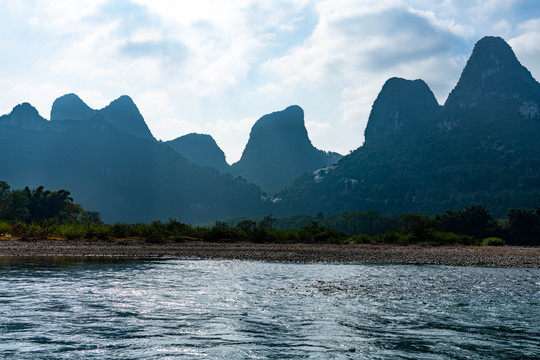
[{"x": 480, "y": 147}]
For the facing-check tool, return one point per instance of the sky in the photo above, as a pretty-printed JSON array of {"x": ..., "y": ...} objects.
[{"x": 215, "y": 67}]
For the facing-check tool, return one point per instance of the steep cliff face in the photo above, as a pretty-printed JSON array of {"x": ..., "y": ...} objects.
[
  {"x": 24, "y": 116},
  {"x": 124, "y": 177},
  {"x": 70, "y": 107},
  {"x": 279, "y": 150},
  {"x": 481, "y": 147},
  {"x": 492, "y": 81},
  {"x": 403, "y": 109},
  {"x": 122, "y": 113},
  {"x": 200, "y": 149}
]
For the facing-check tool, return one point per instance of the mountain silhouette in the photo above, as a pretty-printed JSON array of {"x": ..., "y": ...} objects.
[
  {"x": 122, "y": 113},
  {"x": 493, "y": 73},
  {"x": 70, "y": 107},
  {"x": 402, "y": 109},
  {"x": 24, "y": 116},
  {"x": 124, "y": 177},
  {"x": 200, "y": 149},
  {"x": 279, "y": 150},
  {"x": 481, "y": 147}
]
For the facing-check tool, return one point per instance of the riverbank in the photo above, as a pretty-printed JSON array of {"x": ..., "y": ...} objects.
[{"x": 506, "y": 256}]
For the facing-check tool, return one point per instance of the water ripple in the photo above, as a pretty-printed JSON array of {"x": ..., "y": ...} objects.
[{"x": 79, "y": 308}]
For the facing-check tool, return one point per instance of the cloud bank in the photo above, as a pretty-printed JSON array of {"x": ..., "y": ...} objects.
[{"x": 202, "y": 66}]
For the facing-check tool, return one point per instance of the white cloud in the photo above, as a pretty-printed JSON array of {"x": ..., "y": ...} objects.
[
  {"x": 526, "y": 45},
  {"x": 231, "y": 136},
  {"x": 41, "y": 96},
  {"x": 216, "y": 67}
]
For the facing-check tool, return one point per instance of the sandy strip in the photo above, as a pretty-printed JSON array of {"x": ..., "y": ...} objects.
[{"x": 506, "y": 256}]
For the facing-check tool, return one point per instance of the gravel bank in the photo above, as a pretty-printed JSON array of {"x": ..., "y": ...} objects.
[{"x": 504, "y": 256}]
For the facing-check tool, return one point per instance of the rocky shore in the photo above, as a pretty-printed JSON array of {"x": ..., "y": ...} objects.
[{"x": 504, "y": 256}]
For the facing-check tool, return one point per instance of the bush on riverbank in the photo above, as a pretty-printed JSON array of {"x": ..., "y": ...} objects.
[{"x": 42, "y": 214}]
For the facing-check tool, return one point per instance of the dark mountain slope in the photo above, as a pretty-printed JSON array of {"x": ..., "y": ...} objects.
[
  {"x": 122, "y": 113},
  {"x": 200, "y": 149},
  {"x": 71, "y": 107},
  {"x": 480, "y": 148},
  {"x": 24, "y": 116},
  {"x": 124, "y": 177},
  {"x": 279, "y": 150},
  {"x": 493, "y": 73},
  {"x": 403, "y": 110}
]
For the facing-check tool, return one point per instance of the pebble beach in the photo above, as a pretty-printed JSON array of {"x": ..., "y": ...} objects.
[{"x": 503, "y": 256}]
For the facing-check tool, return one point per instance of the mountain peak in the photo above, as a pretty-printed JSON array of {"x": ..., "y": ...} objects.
[
  {"x": 200, "y": 149},
  {"x": 282, "y": 123},
  {"x": 70, "y": 107},
  {"x": 25, "y": 111},
  {"x": 492, "y": 71},
  {"x": 279, "y": 150},
  {"x": 124, "y": 114},
  {"x": 401, "y": 109},
  {"x": 24, "y": 116},
  {"x": 124, "y": 100}
]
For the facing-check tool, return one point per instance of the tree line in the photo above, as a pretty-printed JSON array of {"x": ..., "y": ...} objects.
[{"x": 39, "y": 214}]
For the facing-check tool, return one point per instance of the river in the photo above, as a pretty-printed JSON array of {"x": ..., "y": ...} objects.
[{"x": 110, "y": 308}]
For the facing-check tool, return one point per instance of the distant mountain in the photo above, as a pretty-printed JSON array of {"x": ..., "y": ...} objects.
[
  {"x": 481, "y": 147},
  {"x": 493, "y": 73},
  {"x": 126, "y": 178},
  {"x": 122, "y": 113},
  {"x": 279, "y": 150},
  {"x": 403, "y": 110},
  {"x": 200, "y": 149},
  {"x": 71, "y": 107},
  {"x": 24, "y": 116}
]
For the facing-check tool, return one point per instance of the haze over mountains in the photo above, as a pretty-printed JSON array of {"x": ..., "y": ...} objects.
[
  {"x": 201, "y": 149},
  {"x": 481, "y": 147},
  {"x": 122, "y": 113},
  {"x": 279, "y": 150}
]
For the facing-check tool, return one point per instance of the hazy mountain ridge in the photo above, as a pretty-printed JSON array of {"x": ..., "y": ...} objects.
[
  {"x": 403, "y": 109},
  {"x": 122, "y": 113},
  {"x": 279, "y": 150},
  {"x": 481, "y": 147},
  {"x": 200, "y": 149},
  {"x": 24, "y": 116},
  {"x": 124, "y": 177}
]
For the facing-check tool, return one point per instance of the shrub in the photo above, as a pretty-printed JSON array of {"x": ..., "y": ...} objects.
[
  {"x": 290, "y": 236},
  {"x": 493, "y": 241},
  {"x": 473, "y": 220},
  {"x": 394, "y": 238},
  {"x": 438, "y": 238},
  {"x": 221, "y": 232},
  {"x": 178, "y": 229},
  {"x": 99, "y": 231},
  {"x": 5, "y": 229},
  {"x": 362, "y": 239},
  {"x": 119, "y": 231},
  {"x": 155, "y": 233},
  {"x": 72, "y": 232}
]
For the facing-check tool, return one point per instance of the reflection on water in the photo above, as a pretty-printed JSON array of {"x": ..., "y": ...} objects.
[{"x": 114, "y": 308}]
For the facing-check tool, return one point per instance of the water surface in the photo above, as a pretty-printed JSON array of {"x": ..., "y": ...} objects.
[{"x": 65, "y": 308}]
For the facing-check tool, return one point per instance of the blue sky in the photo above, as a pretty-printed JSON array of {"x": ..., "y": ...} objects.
[{"x": 215, "y": 67}]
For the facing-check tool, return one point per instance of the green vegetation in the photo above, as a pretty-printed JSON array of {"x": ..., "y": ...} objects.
[
  {"x": 41, "y": 206},
  {"x": 42, "y": 214},
  {"x": 493, "y": 241}
]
